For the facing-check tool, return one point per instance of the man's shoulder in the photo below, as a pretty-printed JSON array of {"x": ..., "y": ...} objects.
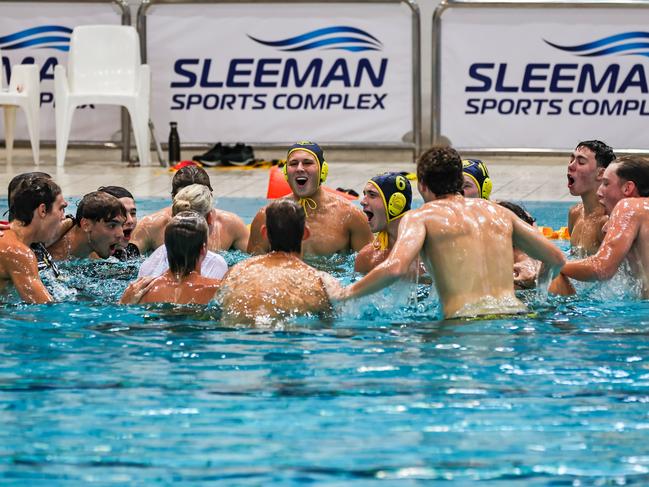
[
  {"x": 12, "y": 249},
  {"x": 161, "y": 216},
  {"x": 227, "y": 217},
  {"x": 633, "y": 205},
  {"x": 575, "y": 210}
]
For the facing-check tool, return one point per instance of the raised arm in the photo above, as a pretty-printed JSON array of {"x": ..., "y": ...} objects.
[
  {"x": 240, "y": 233},
  {"x": 412, "y": 235},
  {"x": 623, "y": 226},
  {"x": 257, "y": 243},
  {"x": 22, "y": 267},
  {"x": 142, "y": 235}
]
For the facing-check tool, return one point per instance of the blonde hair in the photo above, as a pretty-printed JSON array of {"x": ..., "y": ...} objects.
[{"x": 195, "y": 197}]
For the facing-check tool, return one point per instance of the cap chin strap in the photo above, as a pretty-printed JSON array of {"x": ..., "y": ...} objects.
[
  {"x": 307, "y": 204},
  {"x": 381, "y": 240}
]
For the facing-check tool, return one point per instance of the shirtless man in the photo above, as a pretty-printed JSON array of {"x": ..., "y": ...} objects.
[
  {"x": 97, "y": 228},
  {"x": 386, "y": 198},
  {"x": 126, "y": 249},
  {"x": 336, "y": 225},
  {"x": 182, "y": 283},
  {"x": 624, "y": 193},
  {"x": 38, "y": 208},
  {"x": 277, "y": 284},
  {"x": 228, "y": 230},
  {"x": 466, "y": 244},
  {"x": 586, "y": 219}
]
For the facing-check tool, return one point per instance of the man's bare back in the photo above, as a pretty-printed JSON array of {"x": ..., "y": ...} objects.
[
  {"x": 273, "y": 286},
  {"x": 167, "y": 288},
  {"x": 466, "y": 244},
  {"x": 336, "y": 226},
  {"x": 228, "y": 231}
]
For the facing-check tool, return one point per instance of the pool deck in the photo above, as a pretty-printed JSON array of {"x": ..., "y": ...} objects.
[{"x": 530, "y": 178}]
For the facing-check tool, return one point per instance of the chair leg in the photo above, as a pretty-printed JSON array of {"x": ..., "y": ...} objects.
[
  {"x": 64, "y": 115},
  {"x": 140, "y": 124},
  {"x": 33, "y": 126},
  {"x": 10, "y": 123}
]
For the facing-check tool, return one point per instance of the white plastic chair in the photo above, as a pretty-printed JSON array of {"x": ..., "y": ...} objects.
[
  {"x": 103, "y": 68},
  {"x": 24, "y": 92}
]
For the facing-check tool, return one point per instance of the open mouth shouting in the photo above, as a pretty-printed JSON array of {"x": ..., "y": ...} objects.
[
  {"x": 571, "y": 181},
  {"x": 301, "y": 181},
  {"x": 368, "y": 214},
  {"x": 127, "y": 233}
]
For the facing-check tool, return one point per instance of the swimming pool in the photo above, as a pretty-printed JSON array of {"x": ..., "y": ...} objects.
[{"x": 91, "y": 392}]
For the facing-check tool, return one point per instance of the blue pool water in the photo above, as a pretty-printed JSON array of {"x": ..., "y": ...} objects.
[{"x": 91, "y": 392}]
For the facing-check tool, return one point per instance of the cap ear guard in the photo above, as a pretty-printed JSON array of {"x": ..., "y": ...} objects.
[
  {"x": 324, "y": 172},
  {"x": 487, "y": 186},
  {"x": 396, "y": 204}
]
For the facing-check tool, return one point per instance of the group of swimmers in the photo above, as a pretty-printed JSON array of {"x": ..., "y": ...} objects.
[{"x": 474, "y": 250}]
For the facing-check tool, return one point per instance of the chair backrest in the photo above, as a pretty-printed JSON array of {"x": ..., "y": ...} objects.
[
  {"x": 103, "y": 59},
  {"x": 2, "y": 72}
]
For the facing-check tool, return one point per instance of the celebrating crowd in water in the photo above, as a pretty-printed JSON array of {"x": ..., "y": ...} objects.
[{"x": 475, "y": 251}]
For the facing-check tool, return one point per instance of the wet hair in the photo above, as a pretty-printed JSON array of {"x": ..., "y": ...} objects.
[
  {"x": 185, "y": 236},
  {"x": 195, "y": 197},
  {"x": 97, "y": 206},
  {"x": 604, "y": 154},
  {"x": 285, "y": 226},
  {"x": 636, "y": 169},
  {"x": 29, "y": 194},
  {"x": 13, "y": 184},
  {"x": 189, "y": 175},
  {"x": 117, "y": 191},
  {"x": 519, "y": 211},
  {"x": 440, "y": 169}
]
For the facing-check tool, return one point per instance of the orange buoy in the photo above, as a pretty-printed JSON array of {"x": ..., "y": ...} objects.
[{"x": 277, "y": 184}]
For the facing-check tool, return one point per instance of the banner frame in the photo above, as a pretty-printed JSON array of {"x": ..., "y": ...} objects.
[
  {"x": 415, "y": 145},
  {"x": 436, "y": 135}
]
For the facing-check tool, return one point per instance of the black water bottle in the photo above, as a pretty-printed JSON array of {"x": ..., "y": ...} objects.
[{"x": 174, "y": 144}]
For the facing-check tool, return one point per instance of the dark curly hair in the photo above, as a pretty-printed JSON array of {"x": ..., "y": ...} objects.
[
  {"x": 604, "y": 154},
  {"x": 440, "y": 169}
]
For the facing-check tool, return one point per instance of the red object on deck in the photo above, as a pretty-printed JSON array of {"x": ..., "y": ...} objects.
[{"x": 278, "y": 186}]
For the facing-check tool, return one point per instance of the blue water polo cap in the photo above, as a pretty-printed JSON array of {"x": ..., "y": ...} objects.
[
  {"x": 396, "y": 192},
  {"x": 313, "y": 149},
  {"x": 477, "y": 171}
]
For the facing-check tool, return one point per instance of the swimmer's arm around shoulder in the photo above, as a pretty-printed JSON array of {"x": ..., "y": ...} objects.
[
  {"x": 137, "y": 290},
  {"x": 257, "y": 244},
  {"x": 622, "y": 231},
  {"x": 412, "y": 235},
  {"x": 22, "y": 267}
]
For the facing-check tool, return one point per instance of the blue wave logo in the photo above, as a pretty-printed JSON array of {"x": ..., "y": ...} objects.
[
  {"x": 43, "y": 37},
  {"x": 624, "y": 44},
  {"x": 340, "y": 37}
]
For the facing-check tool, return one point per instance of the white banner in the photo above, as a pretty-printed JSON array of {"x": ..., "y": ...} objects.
[
  {"x": 544, "y": 78},
  {"x": 39, "y": 33},
  {"x": 282, "y": 72}
]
